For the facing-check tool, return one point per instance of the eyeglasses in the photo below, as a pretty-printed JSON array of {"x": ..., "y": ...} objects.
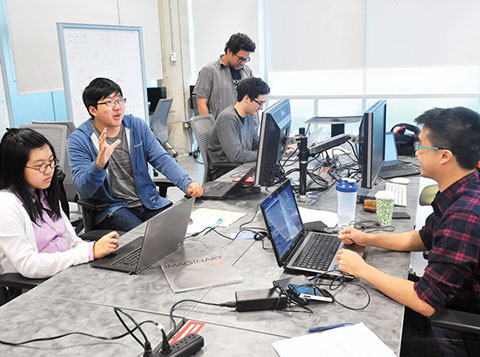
[
  {"x": 259, "y": 102},
  {"x": 43, "y": 167},
  {"x": 416, "y": 147},
  {"x": 111, "y": 103},
  {"x": 242, "y": 59}
]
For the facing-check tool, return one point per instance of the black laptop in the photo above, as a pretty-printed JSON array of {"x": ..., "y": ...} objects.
[
  {"x": 392, "y": 167},
  {"x": 218, "y": 190},
  {"x": 297, "y": 250},
  {"x": 164, "y": 232}
]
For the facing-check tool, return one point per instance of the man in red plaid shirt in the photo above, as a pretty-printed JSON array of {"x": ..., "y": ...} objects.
[{"x": 448, "y": 150}]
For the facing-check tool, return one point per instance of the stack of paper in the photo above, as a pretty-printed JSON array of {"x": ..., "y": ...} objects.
[{"x": 357, "y": 340}]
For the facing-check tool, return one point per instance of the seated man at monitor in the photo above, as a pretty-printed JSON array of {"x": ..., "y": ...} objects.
[
  {"x": 234, "y": 138},
  {"x": 109, "y": 154},
  {"x": 448, "y": 151}
]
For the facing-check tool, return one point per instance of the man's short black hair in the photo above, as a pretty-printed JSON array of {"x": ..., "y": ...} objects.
[
  {"x": 240, "y": 41},
  {"x": 457, "y": 129},
  {"x": 98, "y": 89},
  {"x": 253, "y": 87}
]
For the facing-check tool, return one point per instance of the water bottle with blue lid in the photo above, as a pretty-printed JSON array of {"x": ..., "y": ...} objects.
[{"x": 346, "y": 201}]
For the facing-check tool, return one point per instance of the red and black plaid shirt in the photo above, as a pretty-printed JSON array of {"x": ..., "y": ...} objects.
[{"x": 452, "y": 234}]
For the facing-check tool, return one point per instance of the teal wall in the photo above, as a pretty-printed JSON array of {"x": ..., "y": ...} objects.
[{"x": 47, "y": 106}]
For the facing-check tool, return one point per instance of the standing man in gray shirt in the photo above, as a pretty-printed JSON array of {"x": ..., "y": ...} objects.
[
  {"x": 234, "y": 137},
  {"x": 217, "y": 82}
]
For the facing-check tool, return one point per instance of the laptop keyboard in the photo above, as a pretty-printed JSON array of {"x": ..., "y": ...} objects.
[
  {"x": 130, "y": 260},
  {"x": 400, "y": 192},
  {"x": 217, "y": 188},
  {"x": 319, "y": 252},
  {"x": 398, "y": 170}
]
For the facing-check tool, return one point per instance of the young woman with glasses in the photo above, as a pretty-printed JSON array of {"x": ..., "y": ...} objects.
[{"x": 36, "y": 237}]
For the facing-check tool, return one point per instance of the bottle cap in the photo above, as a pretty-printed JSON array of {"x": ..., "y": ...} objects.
[{"x": 347, "y": 185}]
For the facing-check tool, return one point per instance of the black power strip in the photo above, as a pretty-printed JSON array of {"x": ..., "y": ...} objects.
[{"x": 184, "y": 347}]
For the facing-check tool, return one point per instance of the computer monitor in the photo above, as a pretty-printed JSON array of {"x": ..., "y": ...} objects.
[
  {"x": 154, "y": 94},
  {"x": 371, "y": 144},
  {"x": 274, "y": 132}
]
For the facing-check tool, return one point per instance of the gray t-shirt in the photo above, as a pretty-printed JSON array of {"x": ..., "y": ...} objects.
[
  {"x": 233, "y": 139},
  {"x": 120, "y": 169},
  {"x": 215, "y": 83}
]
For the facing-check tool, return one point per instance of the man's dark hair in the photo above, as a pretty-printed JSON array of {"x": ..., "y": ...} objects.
[
  {"x": 253, "y": 87},
  {"x": 240, "y": 41},
  {"x": 98, "y": 89},
  {"x": 15, "y": 151},
  {"x": 457, "y": 129}
]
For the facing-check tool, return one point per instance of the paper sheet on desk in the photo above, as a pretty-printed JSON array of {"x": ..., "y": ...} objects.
[
  {"x": 357, "y": 340},
  {"x": 228, "y": 217},
  {"x": 201, "y": 223},
  {"x": 312, "y": 215}
]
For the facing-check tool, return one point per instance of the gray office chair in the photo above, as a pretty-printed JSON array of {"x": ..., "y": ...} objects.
[
  {"x": 70, "y": 190},
  {"x": 202, "y": 127},
  {"x": 57, "y": 135},
  {"x": 158, "y": 124},
  {"x": 466, "y": 322}
]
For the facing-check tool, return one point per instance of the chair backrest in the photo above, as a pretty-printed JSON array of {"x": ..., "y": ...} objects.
[
  {"x": 194, "y": 104},
  {"x": 158, "y": 120},
  {"x": 202, "y": 127},
  {"x": 68, "y": 181},
  {"x": 57, "y": 135}
]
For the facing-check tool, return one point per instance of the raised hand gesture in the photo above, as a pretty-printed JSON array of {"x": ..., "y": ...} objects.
[{"x": 105, "y": 149}]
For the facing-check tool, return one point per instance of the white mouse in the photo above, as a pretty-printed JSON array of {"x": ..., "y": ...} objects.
[{"x": 400, "y": 180}]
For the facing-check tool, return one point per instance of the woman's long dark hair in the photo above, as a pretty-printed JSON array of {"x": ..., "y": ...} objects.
[{"x": 14, "y": 154}]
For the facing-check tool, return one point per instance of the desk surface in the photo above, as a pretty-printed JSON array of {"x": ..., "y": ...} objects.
[{"x": 81, "y": 297}]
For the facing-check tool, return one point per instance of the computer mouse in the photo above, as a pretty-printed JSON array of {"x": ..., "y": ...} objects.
[{"x": 400, "y": 180}]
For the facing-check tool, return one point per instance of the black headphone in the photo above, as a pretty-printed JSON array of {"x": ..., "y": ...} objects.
[{"x": 405, "y": 142}]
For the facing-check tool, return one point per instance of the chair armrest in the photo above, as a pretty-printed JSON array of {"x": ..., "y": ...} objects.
[
  {"x": 93, "y": 205},
  {"x": 17, "y": 280},
  {"x": 457, "y": 320}
]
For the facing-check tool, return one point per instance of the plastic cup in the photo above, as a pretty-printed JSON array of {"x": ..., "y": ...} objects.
[
  {"x": 385, "y": 203},
  {"x": 346, "y": 201}
]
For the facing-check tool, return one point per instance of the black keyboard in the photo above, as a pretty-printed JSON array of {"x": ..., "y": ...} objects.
[
  {"x": 319, "y": 252},
  {"x": 217, "y": 188},
  {"x": 397, "y": 170},
  {"x": 130, "y": 260}
]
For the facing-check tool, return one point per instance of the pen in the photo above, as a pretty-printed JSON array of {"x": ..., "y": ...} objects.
[{"x": 329, "y": 327}]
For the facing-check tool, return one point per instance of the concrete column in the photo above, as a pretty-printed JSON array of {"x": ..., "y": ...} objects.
[{"x": 176, "y": 69}]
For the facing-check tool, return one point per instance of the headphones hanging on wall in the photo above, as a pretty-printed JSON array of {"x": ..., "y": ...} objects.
[{"x": 404, "y": 140}]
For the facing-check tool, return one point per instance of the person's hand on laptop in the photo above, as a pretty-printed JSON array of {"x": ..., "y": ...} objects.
[
  {"x": 195, "y": 189},
  {"x": 350, "y": 235},
  {"x": 351, "y": 262},
  {"x": 105, "y": 245}
]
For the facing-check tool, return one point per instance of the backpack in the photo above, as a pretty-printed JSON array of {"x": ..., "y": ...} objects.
[{"x": 403, "y": 140}]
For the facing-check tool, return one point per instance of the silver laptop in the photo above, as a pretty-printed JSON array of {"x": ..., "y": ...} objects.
[
  {"x": 297, "y": 250},
  {"x": 392, "y": 167},
  {"x": 163, "y": 234}
]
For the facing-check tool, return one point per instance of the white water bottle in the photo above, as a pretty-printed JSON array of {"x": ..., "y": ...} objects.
[{"x": 346, "y": 201}]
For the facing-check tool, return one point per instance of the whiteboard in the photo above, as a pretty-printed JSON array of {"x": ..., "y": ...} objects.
[{"x": 91, "y": 51}]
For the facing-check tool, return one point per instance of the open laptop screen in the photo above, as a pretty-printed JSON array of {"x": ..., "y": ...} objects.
[
  {"x": 391, "y": 156},
  {"x": 281, "y": 214}
]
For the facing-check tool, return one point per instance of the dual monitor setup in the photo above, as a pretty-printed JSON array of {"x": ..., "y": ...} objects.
[{"x": 275, "y": 131}]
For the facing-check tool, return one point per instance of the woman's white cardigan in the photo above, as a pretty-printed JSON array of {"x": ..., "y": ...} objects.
[{"x": 18, "y": 248}]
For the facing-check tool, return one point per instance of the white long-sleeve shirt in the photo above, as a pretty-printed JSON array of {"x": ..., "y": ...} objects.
[{"x": 18, "y": 247}]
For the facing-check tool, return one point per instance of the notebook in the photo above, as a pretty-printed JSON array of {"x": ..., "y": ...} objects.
[
  {"x": 392, "y": 167},
  {"x": 223, "y": 189},
  {"x": 160, "y": 238},
  {"x": 296, "y": 249}
]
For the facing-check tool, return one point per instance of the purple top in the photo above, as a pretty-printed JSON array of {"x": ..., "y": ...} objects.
[{"x": 50, "y": 233}]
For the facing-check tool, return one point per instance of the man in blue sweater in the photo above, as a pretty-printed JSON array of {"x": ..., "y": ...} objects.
[{"x": 109, "y": 155}]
